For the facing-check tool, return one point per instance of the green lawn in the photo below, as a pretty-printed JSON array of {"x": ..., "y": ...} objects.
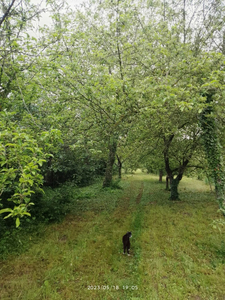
[{"x": 175, "y": 251}]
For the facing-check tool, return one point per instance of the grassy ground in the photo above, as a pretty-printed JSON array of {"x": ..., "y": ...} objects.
[{"x": 175, "y": 252}]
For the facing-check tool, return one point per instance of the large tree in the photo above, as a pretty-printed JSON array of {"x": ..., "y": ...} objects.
[{"x": 96, "y": 72}]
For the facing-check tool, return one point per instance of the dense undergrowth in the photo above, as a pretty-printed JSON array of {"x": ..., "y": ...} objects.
[{"x": 175, "y": 251}]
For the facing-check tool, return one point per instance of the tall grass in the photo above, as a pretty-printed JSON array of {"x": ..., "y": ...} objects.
[{"x": 175, "y": 251}]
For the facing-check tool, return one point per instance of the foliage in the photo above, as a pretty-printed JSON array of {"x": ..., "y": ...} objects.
[
  {"x": 213, "y": 152},
  {"x": 218, "y": 224},
  {"x": 18, "y": 49},
  {"x": 115, "y": 184},
  {"x": 117, "y": 79},
  {"x": 79, "y": 164},
  {"x": 53, "y": 204},
  {"x": 21, "y": 160}
]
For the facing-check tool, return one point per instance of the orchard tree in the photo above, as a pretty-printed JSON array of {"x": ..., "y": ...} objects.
[
  {"x": 172, "y": 98},
  {"x": 18, "y": 49},
  {"x": 95, "y": 71}
]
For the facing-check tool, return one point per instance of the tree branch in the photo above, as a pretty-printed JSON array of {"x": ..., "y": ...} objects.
[{"x": 7, "y": 12}]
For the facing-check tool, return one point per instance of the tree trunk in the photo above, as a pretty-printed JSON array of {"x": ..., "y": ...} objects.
[
  {"x": 174, "y": 195},
  {"x": 119, "y": 167},
  {"x": 6, "y": 14},
  {"x": 168, "y": 182},
  {"x": 223, "y": 46},
  {"x": 110, "y": 162},
  {"x": 160, "y": 175},
  {"x": 180, "y": 170}
]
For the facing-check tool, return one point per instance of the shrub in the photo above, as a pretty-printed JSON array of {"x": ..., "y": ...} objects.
[{"x": 53, "y": 204}]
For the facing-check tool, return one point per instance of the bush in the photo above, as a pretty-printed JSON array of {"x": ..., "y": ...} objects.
[
  {"x": 53, "y": 204},
  {"x": 67, "y": 165}
]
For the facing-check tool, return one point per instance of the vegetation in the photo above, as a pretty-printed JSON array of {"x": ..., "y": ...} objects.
[
  {"x": 107, "y": 87},
  {"x": 105, "y": 72},
  {"x": 175, "y": 251}
]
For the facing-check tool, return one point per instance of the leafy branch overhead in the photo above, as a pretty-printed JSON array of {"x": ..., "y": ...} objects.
[{"x": 106, "y": 82}]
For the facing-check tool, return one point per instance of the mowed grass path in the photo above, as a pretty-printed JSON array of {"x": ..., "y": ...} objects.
[{"x": 175, "y": 252}]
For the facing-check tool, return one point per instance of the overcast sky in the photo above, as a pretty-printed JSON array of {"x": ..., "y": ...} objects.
[{"x": 45, "y": 17}]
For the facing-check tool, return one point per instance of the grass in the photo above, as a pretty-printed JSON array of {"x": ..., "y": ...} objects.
[{"x": 175, "y": 252}]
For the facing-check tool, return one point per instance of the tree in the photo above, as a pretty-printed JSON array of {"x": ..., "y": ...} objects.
[
  {"x": 172, "y": 86},
  {"x": 94, "y": 74},
  {"x": 17, "y": 48},
  {"x": 185, "y": 147}
]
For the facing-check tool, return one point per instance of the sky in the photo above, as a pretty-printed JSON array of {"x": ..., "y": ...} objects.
[{"x": 45, "y": 17}]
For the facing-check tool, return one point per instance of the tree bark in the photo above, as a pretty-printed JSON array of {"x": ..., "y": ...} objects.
[
  {"x": 119, "y": 167},
  {"x": 169, "y": 172},
  {"x": 174, "y": 195},
  {"x": 110, "y": 162},
  {"x": 6, "y": 14},
  {"x": 168, "y": 182},
  {"x": 223, "y": 46},
  {"x": 160, "y": 175}
]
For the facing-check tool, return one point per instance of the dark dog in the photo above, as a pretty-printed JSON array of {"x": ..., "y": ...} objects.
[{"x": 126, "y": 242}]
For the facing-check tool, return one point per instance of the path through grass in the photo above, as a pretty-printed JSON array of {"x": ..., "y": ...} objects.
[{"x": 175, "y": 252}]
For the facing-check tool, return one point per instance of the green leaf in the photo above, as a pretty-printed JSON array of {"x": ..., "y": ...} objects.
[
  {"x": 17, "y": 222},
  {"x": 9, "y": 215},
  {"x": 27, "y": 214},
  {"x": 5, "y": 210}
]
